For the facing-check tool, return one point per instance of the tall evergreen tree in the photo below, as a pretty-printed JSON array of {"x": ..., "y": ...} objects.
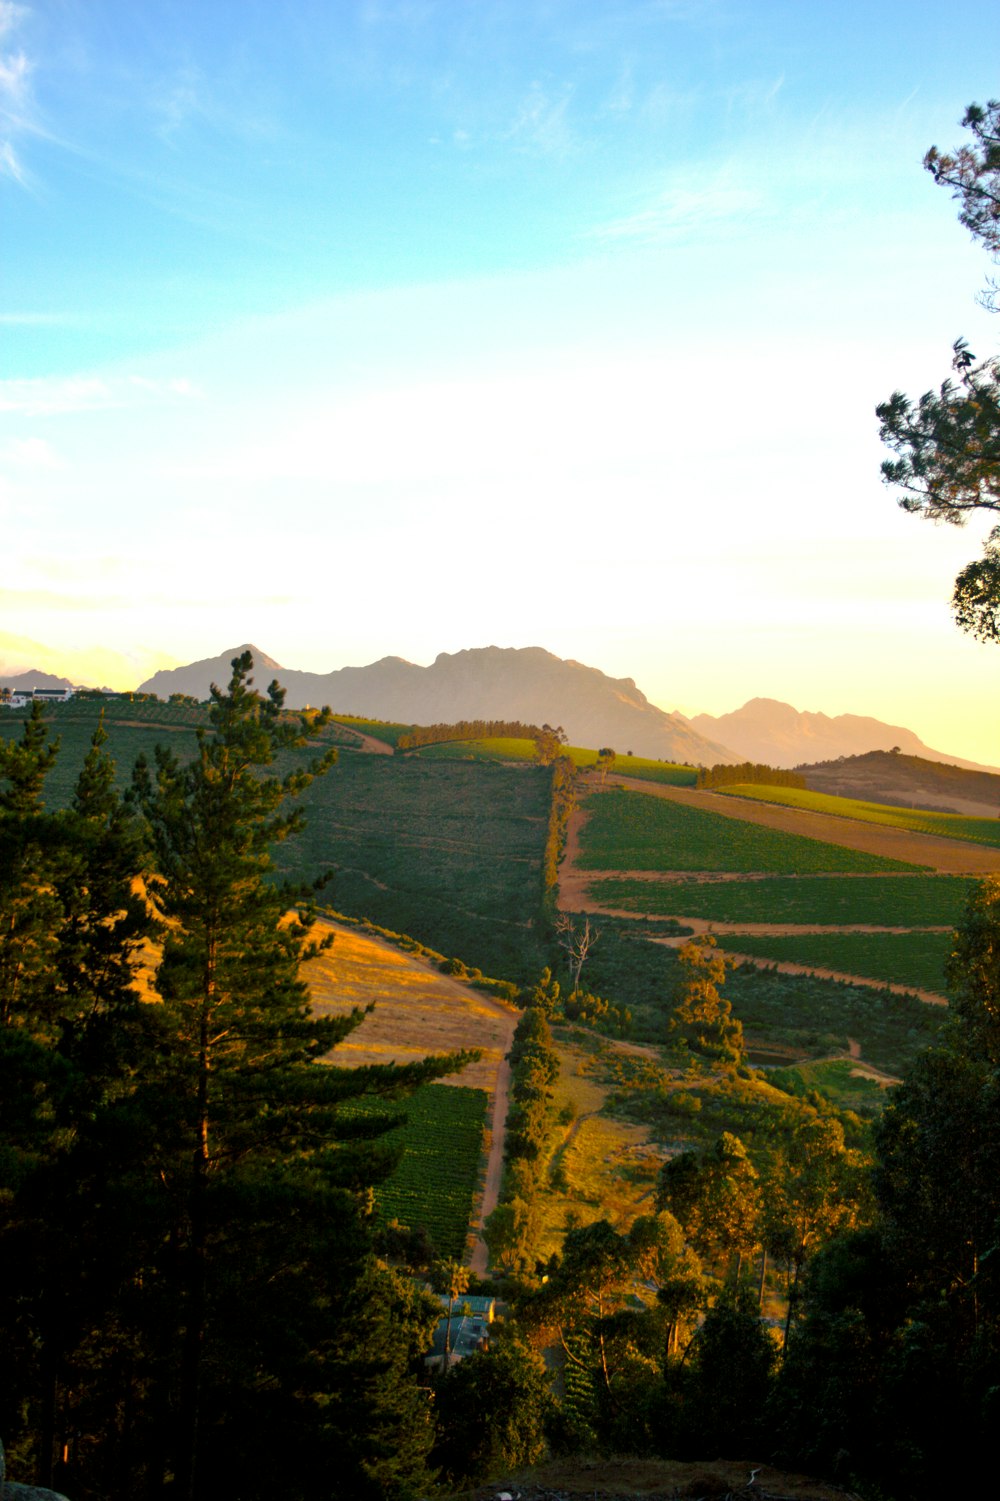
[{"x": 257, "y": 1140}]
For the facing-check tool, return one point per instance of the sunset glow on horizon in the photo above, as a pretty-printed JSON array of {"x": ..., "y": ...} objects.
[{"x": 396, "y": 329}]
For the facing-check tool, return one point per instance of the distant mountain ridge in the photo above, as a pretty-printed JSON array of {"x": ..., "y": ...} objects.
[
  {"x": 24, "y": 682},
  {"x": 767, "y": 730},
  {"x": 491, "y": 682}
]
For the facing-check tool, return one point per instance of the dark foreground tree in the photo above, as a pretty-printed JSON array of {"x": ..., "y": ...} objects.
[
  {"x": 894, "y": 1376},
  {"x": 947, "y": 443},
  {"x": 190, "y": 1306}
]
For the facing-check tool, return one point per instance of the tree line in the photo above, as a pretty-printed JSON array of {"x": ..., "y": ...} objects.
[
  {"x": 754, "y": 772},
  {"x": 467, "y": 729}
]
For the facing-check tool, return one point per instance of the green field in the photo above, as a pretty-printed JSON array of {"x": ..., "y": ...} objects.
[
  {"x": 641, "y": 767},
  {"x": 496, "y": 749},
  {"x": 524, "y": 750},
  {"x": 888, "y": 901},
  {"x": 447, "y": 851},
  {"x": 435, "y": 1181},
  {"x": 914, "y": 820},
  {"x": 916, "y": 959},
  {"x": 635, "y": 831}
]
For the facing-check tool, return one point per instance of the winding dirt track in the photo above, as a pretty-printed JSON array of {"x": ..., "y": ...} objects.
[{"x": 491, "y": 1073}]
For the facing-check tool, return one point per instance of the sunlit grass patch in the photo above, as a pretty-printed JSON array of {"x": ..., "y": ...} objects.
[{"x": 914, "y": 820}]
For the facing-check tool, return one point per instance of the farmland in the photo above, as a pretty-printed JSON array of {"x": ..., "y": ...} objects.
[
  {"x": 914, "y": 959},
  {"x": 915, "y": 820},
  {"x": 634, "y": 831},
  {"x": 885, "y": 901},
  {"x": 440, "y": 1143},
  {"x": 449, "y": 852},
  {"x": 417, "y": 1010},
  {"x": 640, "y": 767}
]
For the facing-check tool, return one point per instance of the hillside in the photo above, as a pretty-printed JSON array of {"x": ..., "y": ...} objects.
[
  {"x": 908, "y": 781},
  {"x": 765, "y": 729},
  {"x": 489, "y": 682}
]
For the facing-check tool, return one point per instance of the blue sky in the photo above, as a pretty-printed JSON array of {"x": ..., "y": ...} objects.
[{"x": 378, "y": 328}]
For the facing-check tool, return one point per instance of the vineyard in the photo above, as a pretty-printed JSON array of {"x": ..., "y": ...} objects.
[
  {"x": 435, "y": 1181},
  {"x": 886, "y": 901},
  {"x": 914, "y": 959},
  {"x": 634, "y": 831}
]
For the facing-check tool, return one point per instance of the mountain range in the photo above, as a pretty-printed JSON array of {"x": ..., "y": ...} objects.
[{"x": 533, "y": 685}]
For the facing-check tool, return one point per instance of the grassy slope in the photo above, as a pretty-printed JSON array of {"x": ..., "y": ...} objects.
[
  {"x": 448, "y": 852},
  {"x": 672, "y": 774},
  {"x": 633, "y": 831},
  {"x": 915, "y": 820}
]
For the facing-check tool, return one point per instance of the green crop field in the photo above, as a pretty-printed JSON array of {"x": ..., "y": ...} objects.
[
  {"x": 915, "y": 820},
  {"x": 888, "y": 901},
  {"x": 496, "y": 749},
  {"x": 634, "y": 831},
  {"x": 524, "y": 750},
  {"x": 435, "y": 1181},
  {"x": 916, "y": 959},
  {"x": 641, "y": 767},
  {"x": 447, "y": 851}
]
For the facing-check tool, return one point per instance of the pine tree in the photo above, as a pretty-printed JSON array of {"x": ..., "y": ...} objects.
[{"x": 256, "y": 1138}]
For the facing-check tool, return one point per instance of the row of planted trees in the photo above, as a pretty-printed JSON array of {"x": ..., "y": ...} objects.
[{"x": 188, "y": 1304}]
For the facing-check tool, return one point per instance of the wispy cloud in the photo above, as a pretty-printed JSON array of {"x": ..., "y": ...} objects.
[
  {"x": 30, "y": 453},
  {"x": 15, "y": 93},
  {"x": 32, "y": 320},
  {"x": 51, "y": 396},
  {"x": 541, "y": 122},
  {"x": 682, "y": 210}
]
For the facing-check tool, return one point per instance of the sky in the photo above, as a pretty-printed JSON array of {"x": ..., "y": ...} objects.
[{"x": 396, "y": 327}]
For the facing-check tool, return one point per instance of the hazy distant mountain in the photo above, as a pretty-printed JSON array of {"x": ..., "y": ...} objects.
[
  {"x": 779, "y": 735},
  {"x": 486, "y": 683},
  {"x": 23, "y": 682}
]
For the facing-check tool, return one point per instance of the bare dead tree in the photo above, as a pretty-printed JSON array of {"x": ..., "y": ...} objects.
[{"x": 577, "y": 941}]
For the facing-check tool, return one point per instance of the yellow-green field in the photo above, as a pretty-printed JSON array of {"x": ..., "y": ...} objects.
[{"x": 915, "y": 820}]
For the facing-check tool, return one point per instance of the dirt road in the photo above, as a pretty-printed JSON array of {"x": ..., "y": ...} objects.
[{"x": 574, "y": 897}]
